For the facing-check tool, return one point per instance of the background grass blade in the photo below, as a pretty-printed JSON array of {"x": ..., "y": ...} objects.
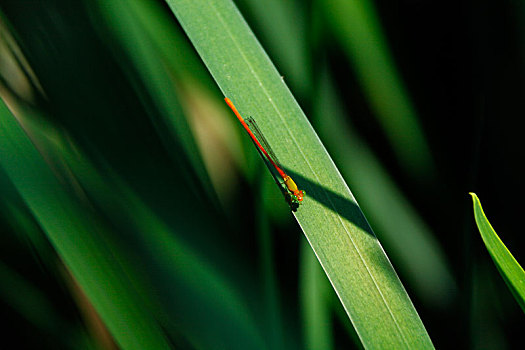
[
  {"x": 78, "y": 239},
  {"x": 318, "y": 326},
  {"x": 509, "y": 268},
  {"x": 353, "y": 259},
  {"x": 357, "y": 26},
  {"x": 157, "y": 83}
]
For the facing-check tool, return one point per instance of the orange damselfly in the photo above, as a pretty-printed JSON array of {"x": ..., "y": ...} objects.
[{"x": 295, "y": 196}]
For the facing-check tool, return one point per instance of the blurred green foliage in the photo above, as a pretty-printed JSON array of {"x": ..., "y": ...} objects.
[{"x": 133, "y": 143}]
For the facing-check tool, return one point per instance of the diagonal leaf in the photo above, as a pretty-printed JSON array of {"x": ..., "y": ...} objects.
[
  {"x": 78, "y": 239},
  {"x": 339, "y": 234},
  {"x": 508, "y": 267}
]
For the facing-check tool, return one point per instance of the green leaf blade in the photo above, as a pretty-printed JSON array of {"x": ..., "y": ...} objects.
[
  {"x": 338, "y": 232},
  {"x": 511, "y": 271}
]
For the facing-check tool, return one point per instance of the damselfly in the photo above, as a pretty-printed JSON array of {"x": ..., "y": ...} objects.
[{"x": 294, "y": 195}]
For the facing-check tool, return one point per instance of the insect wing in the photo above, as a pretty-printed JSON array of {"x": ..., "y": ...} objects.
[{"x": 262, "y": 140}]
